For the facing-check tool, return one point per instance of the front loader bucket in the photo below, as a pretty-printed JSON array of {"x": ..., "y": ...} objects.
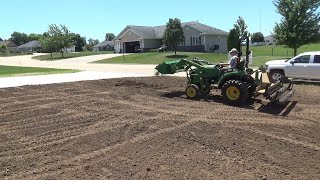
[
  {"x": 167, "y": 67},
  {"x": 279, "y": 93}
]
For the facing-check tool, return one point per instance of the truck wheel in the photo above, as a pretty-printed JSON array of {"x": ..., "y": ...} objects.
[
  {"x": 277, "y": 76},
  {"x": 192, "y": 91},
  {"x": 234, "y": 92}
]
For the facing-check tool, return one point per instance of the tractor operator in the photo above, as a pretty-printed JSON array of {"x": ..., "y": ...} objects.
[
  {"x": 234, "y": 58},
  {"x": 233, "y": 61}
]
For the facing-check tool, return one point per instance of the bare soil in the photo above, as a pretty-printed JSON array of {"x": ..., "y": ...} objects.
[{"x": 146, "y": 128}]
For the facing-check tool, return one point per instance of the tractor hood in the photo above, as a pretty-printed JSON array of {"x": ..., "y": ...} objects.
[{"x": 276, "y": 62}]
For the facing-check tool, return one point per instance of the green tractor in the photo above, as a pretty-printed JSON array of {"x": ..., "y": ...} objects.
[{"x": 237, "y": 85}]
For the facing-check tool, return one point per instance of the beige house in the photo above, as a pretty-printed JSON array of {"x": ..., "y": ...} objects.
[
  {"x": 269, "y": 40},
  {"x": 198, "y": 38},
  {"x": 10, "y": 45}
]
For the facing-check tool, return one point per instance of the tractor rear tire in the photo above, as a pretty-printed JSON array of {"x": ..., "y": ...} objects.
[
  {"x": 192, "y": 91},
  {"x": 234, "y": 92}
]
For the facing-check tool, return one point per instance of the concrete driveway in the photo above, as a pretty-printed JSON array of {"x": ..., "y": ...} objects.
[
  {"x": 79, "y": 63},
  {"x": 90, "y": 71}
]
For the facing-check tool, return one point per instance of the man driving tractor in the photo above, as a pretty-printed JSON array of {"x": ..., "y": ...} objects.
[{"x": 233, "y": 60}]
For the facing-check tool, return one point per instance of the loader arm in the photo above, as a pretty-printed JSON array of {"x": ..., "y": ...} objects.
[{"x": 175, "y": 66}]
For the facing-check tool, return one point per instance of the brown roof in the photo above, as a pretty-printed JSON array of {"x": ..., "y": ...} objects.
[{"x": 8, "y": 43}]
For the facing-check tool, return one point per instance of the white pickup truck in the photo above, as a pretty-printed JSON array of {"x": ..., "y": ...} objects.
[{"x": 304, "y": 66}]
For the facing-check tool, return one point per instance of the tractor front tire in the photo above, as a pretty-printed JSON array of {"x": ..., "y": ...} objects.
[
  {"x": 192, "y": 91},
  {"x": 234, "y": 92}
]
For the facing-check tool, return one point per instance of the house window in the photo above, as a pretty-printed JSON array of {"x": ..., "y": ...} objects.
[
  {"x": 195, "y": 41},
  {"x": 182, "y": 43}
]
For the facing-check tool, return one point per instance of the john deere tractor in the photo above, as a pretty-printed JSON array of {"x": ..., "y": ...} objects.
[{"x": 237, "y": 85}]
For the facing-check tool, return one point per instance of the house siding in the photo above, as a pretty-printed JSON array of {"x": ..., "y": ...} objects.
[
  {"x": 212, "y": 40},
  {"x": 198, "y": 48},
  {"x": 188, "y": 33},
  {"x": 151, "y": 44},
  {"x": 130, "y": 36},
  {"x": 196, "y": 38}
]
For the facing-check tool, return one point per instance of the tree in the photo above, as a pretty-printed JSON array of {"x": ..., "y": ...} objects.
[
  {"x": 241, "y": 27},
  {"x": 1, "y": 39},
  {"x": 173, "y": 34},
  {"x": 233, "y": 39},
  {"x": 49, "y": 44},
  {"x": 61, "y": 36},
  {"x": 110, "y": 36},
  {"x": 88, "y": 47},
  {"x": 299, "y": 24},
  {"x": 3, "y": 48},
  {"x": 79, "y": 41},
  {"x": 93, "y": 42},
  {"x": 19, "y": 38},
  {"x": 239, "y": 30},
  {"x": 34, "y": 36},
  {"x": 257, "y": 37}
]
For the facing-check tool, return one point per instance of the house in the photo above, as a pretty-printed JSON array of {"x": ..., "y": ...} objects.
[
  {"x": 104, "y": 46},
  {"x": 10, "y": 45},
  {"x": 33, "y": 46},
  {"x": 269, "y": 40},
  {"x": 198, "y": 37},
  {"x": 70, "y": 49}
]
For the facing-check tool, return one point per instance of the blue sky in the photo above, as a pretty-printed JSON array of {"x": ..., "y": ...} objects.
[{"x": 93, "y": 18}]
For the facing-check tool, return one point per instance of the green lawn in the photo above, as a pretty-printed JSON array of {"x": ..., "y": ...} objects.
[
  {"x": 10, "y": 71},
  {"x": 156, "y": 58},
  {"x": 261, "y": 55},
  {"x": 282, "y": 51},
  {"x": 57, "y": 56}
]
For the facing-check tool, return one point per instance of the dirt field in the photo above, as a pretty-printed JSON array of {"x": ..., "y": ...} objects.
[{"x": 145, "y": 128}]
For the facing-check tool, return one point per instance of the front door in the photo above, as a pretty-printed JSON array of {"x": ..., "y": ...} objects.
[
  {"x": 298, "y": 69},
  {"x": 117, "y": 47},
  {"x": 314, "y": 68}
]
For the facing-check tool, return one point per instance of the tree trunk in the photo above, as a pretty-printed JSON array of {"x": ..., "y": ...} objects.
[{"x": 295, "y": 51}]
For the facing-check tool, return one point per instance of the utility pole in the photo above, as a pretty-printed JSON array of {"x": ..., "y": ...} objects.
[{"x": 260, "y": 20}]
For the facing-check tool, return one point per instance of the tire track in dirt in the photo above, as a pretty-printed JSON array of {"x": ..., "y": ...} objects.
[
  {"x": 71, "y": 134},
  {"x": 84, "y": 157},
  {"x": 273, "y": 136},
  {"x": 103, "y": 120}
]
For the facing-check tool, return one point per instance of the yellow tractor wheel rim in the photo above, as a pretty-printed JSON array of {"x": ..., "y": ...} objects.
[
  {"x": 233, "y": 93},
  {"x": 191, "y": 92}
]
